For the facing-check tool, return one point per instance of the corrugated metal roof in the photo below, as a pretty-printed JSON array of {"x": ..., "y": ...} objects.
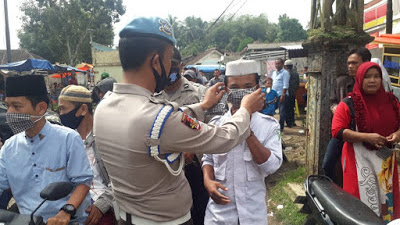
[
  {"x": 17, "y": 55},
  {"x": 292, "y": 47},
  {"x": 271, "y": 45},
  {"x": 100, "y": 47}
]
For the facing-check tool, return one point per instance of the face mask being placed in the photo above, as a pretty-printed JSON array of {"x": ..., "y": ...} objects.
[
  {"x": 70, "y": 120},
  {"x": 235, "y": 96},
  {"x": 19, "y": 122},
  {"x": 161, "y": 81},
  {"x": 173, "y": 76}
]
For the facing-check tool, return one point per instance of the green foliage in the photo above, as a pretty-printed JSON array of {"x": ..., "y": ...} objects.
[
  {"x": 233, "y": 34},
  {"x": 337, "y": 33},
  {"x": 59, "y": 30},
  {"x": 243, "y": 43},
  {"x": 290, "y": 30}
]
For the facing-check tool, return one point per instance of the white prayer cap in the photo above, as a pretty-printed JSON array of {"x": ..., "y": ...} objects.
[
  {"x": 241, "y": 67},
  {"x": 288, "y": 62}
]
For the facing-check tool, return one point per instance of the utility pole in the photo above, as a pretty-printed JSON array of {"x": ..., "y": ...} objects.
[
  {"x": 9, "y": 59},
  {"x": 389, "y": 17}
]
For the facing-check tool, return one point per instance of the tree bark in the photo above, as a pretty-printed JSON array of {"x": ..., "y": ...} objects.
[
  {"x": 313, "y": 18},
  {"x": 72, "y": 56}
]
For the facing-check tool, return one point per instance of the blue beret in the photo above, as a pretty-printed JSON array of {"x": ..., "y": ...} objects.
[{"x": 151, "y": 26}]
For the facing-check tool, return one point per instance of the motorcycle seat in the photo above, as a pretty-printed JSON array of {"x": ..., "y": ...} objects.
[{"x": 342, "y": 207}]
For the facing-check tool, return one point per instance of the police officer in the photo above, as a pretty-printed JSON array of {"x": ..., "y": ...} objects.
[
  {"x": 179, "y": 89},
  {"x": 185, "y": 92},
  {"x": 141, "y": 138}
]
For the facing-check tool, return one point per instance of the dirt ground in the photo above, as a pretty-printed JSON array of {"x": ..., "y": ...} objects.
[{"x": 294, "y": 140}]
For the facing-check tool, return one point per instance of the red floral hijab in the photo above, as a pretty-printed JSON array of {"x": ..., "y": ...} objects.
[{"x": 377, "y": 113}]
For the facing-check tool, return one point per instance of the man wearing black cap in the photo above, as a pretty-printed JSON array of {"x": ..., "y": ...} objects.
[
  {"x": 142, "y": 138},
  {"x": 41, "y": 153},
  {"x": 190, "y": 75},
  {"x": 102, "y": 88}
]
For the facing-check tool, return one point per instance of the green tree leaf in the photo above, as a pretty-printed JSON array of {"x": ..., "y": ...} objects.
[{"x": 59, "y": 30}]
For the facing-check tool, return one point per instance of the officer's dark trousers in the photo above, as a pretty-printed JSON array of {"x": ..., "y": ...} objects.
[
  {"x": 5, "y": 197},
  {"x": 290, "y": 103},
  {"x": 200, "y": 196},
  {"x": 332, "y": 159},
  {"x": 282, "y": 113}
]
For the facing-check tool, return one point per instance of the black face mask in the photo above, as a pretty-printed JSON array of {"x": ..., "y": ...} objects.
[
  {"x": 70, "y": 120},
  {"x": 173, "y": 76},
  {"x": 161, "y": 81}
]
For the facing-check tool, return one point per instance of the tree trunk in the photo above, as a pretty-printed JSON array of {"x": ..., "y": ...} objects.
[
  {"x": 314, "y": 13},
  {"x": 69, "y": 51},
  {"x": 72, "y": 56},
  {"x": 360, "y": 15}
]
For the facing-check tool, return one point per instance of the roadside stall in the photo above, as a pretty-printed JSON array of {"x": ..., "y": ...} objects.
[
  {"x": 89, "y": 74},
  {"x": 391, "y": 58},
  {"x": 63, "y": 73}
]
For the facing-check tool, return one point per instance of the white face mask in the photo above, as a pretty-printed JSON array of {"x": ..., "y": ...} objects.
[{"x": 20, "y": 122}]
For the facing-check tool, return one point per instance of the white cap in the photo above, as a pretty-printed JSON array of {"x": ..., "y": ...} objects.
[
  {"x": 288, "y": 62},
  {"x": 241, "y": 67}
]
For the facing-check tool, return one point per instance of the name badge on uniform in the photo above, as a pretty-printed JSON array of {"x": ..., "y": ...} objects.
[{"x": 190, "y": 122}]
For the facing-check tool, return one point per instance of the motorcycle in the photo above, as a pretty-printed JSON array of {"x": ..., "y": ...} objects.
[
  {"x": 327, "y": 203},
  {"x": 51, "y": 192}
]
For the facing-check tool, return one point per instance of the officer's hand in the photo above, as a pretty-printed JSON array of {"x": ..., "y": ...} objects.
[
  {"x": 62, "y": 218},
  {"x": 253, "y": 102},
  {"x": 212, "y": 187},
  {"x": 212, "y": 96},
  {"x": 95, "y": 215}
]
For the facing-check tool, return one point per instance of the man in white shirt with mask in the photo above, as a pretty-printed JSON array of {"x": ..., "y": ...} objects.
[{"x": 235, "y": 180}]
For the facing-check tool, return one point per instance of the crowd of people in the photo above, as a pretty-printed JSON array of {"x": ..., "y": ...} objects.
[{"x": 167, "y": 146}]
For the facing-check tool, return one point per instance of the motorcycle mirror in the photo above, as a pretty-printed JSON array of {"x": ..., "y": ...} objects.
[{"x": 56, "y": 191}]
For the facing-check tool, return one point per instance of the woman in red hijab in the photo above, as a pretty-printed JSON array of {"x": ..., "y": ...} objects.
[{"x": 368, "y": 162}]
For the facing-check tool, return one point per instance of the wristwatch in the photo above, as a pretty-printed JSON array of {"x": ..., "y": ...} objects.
[{"x": 70, "y": 209}]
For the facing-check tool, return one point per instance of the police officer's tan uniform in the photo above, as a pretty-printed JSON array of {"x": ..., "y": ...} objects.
[
  {"x": 142, "y": 185},
  {"x": 187, "y": 94}
]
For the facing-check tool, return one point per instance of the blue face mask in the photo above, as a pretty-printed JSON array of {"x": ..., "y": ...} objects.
[
  {"x": 173, "y": 76},
  {"x": 70, "y": 120}
]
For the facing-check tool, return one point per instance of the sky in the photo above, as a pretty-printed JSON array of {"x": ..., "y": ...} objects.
[{"x": 208, "y": 10}]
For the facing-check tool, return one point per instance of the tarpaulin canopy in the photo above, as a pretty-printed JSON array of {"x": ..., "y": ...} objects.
[
  {"x": 85, "y": 66},
  {"x": 28, "y": 65},
  {"x": 393, "y": 39},
  {"x": 65, "y": 71}
]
